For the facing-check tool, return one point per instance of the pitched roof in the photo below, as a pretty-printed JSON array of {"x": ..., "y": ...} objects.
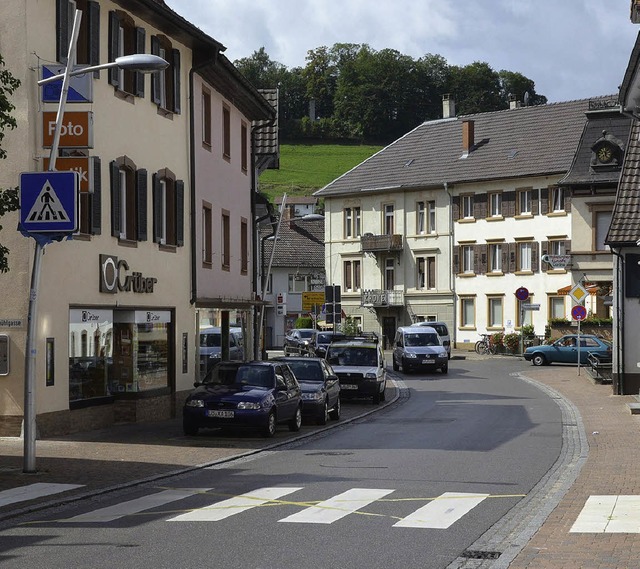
[
  {"x": 625, "y": 220},
  {"x": 513, "y": 143},
  {"x": 300, "y": 244}
]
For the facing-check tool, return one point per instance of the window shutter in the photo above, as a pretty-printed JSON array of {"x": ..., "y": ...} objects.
[
  {"x": 512, "y": 257},
  {"x": 456, "y": 259},
  {"x": 509, "y": 204},
  {"x": 535, "y": 209},
  {"x": 480, "y": 206},
  {"x": 139, "y": 76},
  {"x": 115, "y": 198},
  {"x": 157, "y": 207},
  {"x": 535, "y": 256},
  {"x": 176, "y": 81},
  {"x": 505, "y": 258},
  {"x": 155, "y": 77},
  {"x": 96, "y": 197},
  {"x": 179, "y": 213},
  {"x": 114, "y": 28},
  {"x": 544, "y": 201},
  {"x": 567, "y": 200},
  {"x": 62, "y": 30},
  {"x": 477, "y": 260},
  {"x": 93, "y": 23},
  {"x": 483, "y": 249},
  {"x": 545, "y": 251},
  {"x": 455, "y": 208},
  {"x": 141, "y": 204},
  {"x": 567, "y": 246}
]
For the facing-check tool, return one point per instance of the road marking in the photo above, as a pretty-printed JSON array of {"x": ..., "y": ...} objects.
[
  {"x": 609, "y": 514},
  {"x": 32, "y": 491},
  {"x": 442, "y": 512},
  {"x": 135, "y": 506},
  {"x": 337, "y": 507},
  {"x": 226, "y": 508}
]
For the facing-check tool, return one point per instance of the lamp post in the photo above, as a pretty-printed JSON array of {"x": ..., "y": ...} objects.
[{"x": 139, "y": 62}]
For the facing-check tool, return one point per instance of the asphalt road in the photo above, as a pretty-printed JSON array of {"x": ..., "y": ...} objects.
[{"x": 411, "y": 486}]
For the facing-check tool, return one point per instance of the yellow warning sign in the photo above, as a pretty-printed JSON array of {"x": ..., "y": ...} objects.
[{"x": 309, "y": 299}]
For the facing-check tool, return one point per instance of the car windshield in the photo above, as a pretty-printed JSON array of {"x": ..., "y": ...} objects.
[
  {"x": 254, "y": 376},
  {"x": 210, "y": 340},
  {"x": 353, "y": 355},
  {"x": 306, "y": 371},
  {"x": 421, "y": 340}
]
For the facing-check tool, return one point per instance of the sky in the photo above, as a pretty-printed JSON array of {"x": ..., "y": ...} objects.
[{"x": 571, "y": 49}]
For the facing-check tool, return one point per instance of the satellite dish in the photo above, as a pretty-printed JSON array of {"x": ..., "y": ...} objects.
[{"x": 526, "y": 98}]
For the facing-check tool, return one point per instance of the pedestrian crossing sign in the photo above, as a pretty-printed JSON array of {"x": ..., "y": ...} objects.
[{"x": 49, "y": 202}]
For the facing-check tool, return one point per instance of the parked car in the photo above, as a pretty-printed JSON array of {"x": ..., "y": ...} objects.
[
  {"x": 321, "y": 341},
  {"x": 298, "y": 341},
  {"x": 211, "y": 347},
  {"x": 359, "y": 364},
  {"x": 255, "y": 395},
  {"x": 419, "y": 347},
  {"x": 443, "y": 331},
  {"x": 320, "y": 387},
  {"x": 565, "y": 350}
]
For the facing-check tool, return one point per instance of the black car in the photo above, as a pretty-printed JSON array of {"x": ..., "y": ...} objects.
[
  {"x": 320, "y": 387},
  {"x": 254, "y": 395},
  {"x": 298, "y": 341},
  {"x": 321, "y": 340}
]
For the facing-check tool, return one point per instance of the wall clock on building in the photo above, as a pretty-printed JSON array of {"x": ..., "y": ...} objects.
[{"x": 605, "y": 154}]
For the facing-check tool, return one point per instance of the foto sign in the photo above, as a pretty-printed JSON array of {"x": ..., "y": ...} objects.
[{"x": 76, "y": 130}]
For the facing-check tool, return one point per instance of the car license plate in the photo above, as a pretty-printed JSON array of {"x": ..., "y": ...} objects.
[
  {"x": 220, "y": 414},
  {"x": 348, "y": 386},
  {"x": 428, "y": 361}
]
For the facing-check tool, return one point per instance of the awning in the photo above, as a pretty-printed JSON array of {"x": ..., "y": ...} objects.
[{"x": 592, "y": 289}]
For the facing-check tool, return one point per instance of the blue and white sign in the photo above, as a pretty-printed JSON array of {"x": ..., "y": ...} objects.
[
  {"x": 80, "y": 86},
  {"x": 49, "y": 202}
]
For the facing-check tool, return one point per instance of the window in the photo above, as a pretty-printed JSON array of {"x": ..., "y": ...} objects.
[
  {"x": 389, "y": 274},
  {"x": 524, "y": 252},
  {"x": 207, "y": 235},
  {"x": 467, "y": 312},
  {"x": 524, "y": 317},
  {"x": 601, "y": 226},
  {"x": 352, "y": 276},
  {"x": 388, "y": 219},
  {"x": 495, "y": 257},
  {"x": 165, "y": 84},
  {"x": 168, "y": 209},
  {"x": 244, "y": 246},
  {"x": 556, "y": 307},
  {"x": 300, "y": 283},
  {"x": 425, "y": 217},
  {"x": 206, "y": 119},
  {"x": 226, "y": 131},
  {"x": 426, "y": 272},
  {"x": 495, "y": 312},
  {"x": 524, "y": 202},
  {"x": 87, "y": 46},
  {"x": 557, "y": 199},
  {"x": 128, "y": 200},
  {"x": 244, "y": 152},
  {"x": 467, "y": 259},
  {"x": 125, "y": 39},
  {"x": 557, "y": 247},
  {"x": 495, "y": 204},
  {"x": 352, "y": 222},
  {"x": 467, "y": 206},
  {"x": 226, "y": 241}
]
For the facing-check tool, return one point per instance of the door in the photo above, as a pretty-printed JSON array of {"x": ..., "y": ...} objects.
[{"x": 388, "y": 331}]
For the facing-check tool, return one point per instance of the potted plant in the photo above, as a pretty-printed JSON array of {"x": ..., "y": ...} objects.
[
  {"x": 512, "y": 342},
  {"x": 497, "y": 341}
]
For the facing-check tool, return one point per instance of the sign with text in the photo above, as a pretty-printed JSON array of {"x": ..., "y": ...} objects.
[
  {"x": 76, "y": 130},
  {"x": 83, "y": 165},
  {"x": 311, "y": 299}
]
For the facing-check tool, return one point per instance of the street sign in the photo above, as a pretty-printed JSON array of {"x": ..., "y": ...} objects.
[
  {"x": 49, "y": 202},
  {"x": 84, "y": 165},
  {"x": 531, "y": 306},
  {"x": 522, "y": 293},
  {"x": 311, "y": 299},
  {"x": 76, "y": 130},
  {"x": 80, "y": 86},
  {"x": 578, "y": 293},
  {"x": 579, "y": 312}
]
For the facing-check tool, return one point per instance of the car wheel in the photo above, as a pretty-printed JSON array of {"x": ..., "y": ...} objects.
[
  {"x": 445, "y": 368},
  {"x": 396, "y": 367},
  {"x": 296, "y": 422},
  {"x": 189, "y": 427},
  {"x": 383, "y": 393},
  {"x": 322, "y": 419},
  {"x": 270, "y": 428},
  {"x": 539, "y": 360},
  {"x": 376, "y": 397},
  {"x": 335, "y": 413}
]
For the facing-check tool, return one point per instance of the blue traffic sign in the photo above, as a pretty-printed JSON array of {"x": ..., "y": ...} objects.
[
  {"x": 578, "y": 312},
  {"x": 49, "y": 202},
  {"x": 522, "y": 293}
]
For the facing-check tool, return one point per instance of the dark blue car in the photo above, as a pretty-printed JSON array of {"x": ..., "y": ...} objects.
[{"x": 254, "y": 395}]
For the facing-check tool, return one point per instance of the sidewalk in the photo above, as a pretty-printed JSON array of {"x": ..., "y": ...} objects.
[{"x": 605, "y": 462}]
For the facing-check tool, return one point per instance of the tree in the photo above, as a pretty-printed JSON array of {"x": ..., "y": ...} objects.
[
  {"x": 9, "y": 197},
  {"x": 516, "y": 85},
  {"x": 476, "y": 88}
]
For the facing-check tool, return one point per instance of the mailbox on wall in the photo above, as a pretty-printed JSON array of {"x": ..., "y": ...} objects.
[{"x": 4, "y": 354}]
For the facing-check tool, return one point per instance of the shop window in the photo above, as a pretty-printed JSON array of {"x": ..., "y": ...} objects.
[{"x": 165, "y": 84}]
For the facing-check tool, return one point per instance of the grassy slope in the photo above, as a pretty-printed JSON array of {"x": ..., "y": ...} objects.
[{"x": 305, "y": 168}]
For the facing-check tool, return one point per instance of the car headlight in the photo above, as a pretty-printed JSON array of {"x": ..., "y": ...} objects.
[
  {"x": 249, "y": 405},
  {"x": 410, "y": 355},
  {"x": 371, "y": 375},
  {"x": 195, "y": 403},
  {"x": 315, "y": 396}
]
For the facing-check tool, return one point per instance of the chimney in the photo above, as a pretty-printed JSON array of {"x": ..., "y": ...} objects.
[
  {"x": 467, "y": 136},
  {"x": 513, "y": 103},
  {"x": 448, "y": 107}
]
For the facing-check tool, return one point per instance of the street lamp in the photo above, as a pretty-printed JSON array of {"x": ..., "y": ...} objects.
[{"x": 140, "y": 62}]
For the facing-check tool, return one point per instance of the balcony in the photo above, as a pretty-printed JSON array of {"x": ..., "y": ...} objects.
[
  {"x": 370, "y": 243},
  {"x": 381, "y": 298}
]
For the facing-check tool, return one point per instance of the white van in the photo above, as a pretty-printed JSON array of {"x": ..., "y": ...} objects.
[
  {"x": 211, "y": 346},
  {"x": 419, "y": 348},
  {"x": 443, "y": 332}
]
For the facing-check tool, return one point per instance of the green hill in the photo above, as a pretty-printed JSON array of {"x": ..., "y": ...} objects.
[{"x": 305, "y": 168}]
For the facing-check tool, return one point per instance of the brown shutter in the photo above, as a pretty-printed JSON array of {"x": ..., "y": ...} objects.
[
  {"x": 141, "y": 204},
  {"x": 455, "y": 208},
  {"x": 179, "y": 213},
  {"x": 505, "y": 258},
  {"x": 477, "y": 259},
  {"x": 480, "y": 206},
  {"x": 567, "y": 246},
  {"x": 509, "y": 204},
  {"x": 176, "y": 82},
  {"x": 535, "y": 206},
  {"x": 535, "y": 256},
  {"x": 544, "y": 201},
  {"x": 62, "y": 30},
  {"x": 138, "y": 76},
  {"x": 545, "y": 251},
  {"x": 93, "y": 23},
  {"x": 96, "y": 197},
  {"x": 155, "y": 77},
  {"x": 156, "y": 200},
  {"x": 114, "y": 26},
  {"x": 512, "y": 257},
  {"x": 483, "y": 258},
  {"x": 456, "y": 260},
  {"x": 115, "y": 198},
  {"x": 567, "y": 200}
]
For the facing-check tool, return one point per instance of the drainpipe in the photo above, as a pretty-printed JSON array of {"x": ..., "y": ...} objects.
[
  {"x": 452, "y": 277},
  {"x": 619, "y": 304}
]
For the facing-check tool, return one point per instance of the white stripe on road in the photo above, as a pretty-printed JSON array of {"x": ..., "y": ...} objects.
[
  {"x": 609, "y": 514},
  {"x": 443, "y": 511},
  {"x": 32, "y": 491},
  {"x": 135, "y": 506},
  {"x": 226, "y": 508},
  {"x": 337, "y": 507}
]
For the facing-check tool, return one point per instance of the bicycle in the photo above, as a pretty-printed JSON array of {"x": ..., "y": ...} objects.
[{"x": 485, "y": 346}]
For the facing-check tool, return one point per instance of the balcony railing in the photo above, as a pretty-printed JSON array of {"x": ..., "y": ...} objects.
[
  {"x": 381, "y": 298},
  {"x": 380, "y": 243}
]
